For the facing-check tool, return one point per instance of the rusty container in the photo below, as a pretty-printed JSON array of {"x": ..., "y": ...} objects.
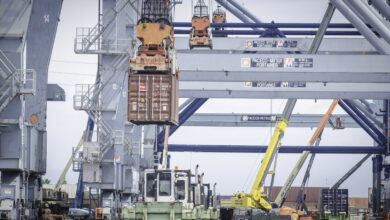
[{"x": 153, "y": 99}]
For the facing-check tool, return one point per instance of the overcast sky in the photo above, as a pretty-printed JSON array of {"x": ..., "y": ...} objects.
[{"x": 232, "y": 172}]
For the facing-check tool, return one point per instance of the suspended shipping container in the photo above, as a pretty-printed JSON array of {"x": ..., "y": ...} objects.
[{"x": 153, "y": 99}]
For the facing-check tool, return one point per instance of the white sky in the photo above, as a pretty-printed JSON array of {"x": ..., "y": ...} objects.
[{"x": 232, "y": 172}]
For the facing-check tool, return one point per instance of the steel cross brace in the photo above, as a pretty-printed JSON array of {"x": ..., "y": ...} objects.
[
  {"x": 362, "y": 124},
  {"x": 263, "y": 148},
  {"x": 365, "y": 120},
  {"x": 183, "y": 117},
  {"x": 350, "y": 172}
]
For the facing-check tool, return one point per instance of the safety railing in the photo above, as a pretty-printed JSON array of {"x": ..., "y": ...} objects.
[
  {"x": 82, "y": 100},
  {"x": 85, "y": 98},
  {"x": 82, "y": 45},
  {"x": 26, "y": 78},
  {"x": 77, "y": 159},
  {"x": 19, "y": 82},
  {"x": 88, "y": 40}
]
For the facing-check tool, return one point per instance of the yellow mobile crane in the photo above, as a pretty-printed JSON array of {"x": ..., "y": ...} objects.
[{"x": 257, "y": 199}]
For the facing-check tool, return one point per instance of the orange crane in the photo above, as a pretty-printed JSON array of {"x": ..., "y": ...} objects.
[{"x": 287, "y": 185}]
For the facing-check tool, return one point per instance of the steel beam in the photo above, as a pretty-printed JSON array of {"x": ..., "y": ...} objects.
[
  {"x": 272, "y": 76},
  {"x": 365, "y": 120},
  {"x": 267, "y": 25},
  {"x": 238, "y": 45},
  {"x": 360, "y": 122},
  {"x": 259, "y": 32},
  {"x": 185, "y": 104},
  {"x": 378, "y": 43},
  {"x": 234, "y": 11},
  {"x": 284, "y": 67},
  {"x": 371, "y": 18},
  {"x": 266, "y": 89},
  {"x": 251, "y": 16},
  {"x": 382, "y": 7},
  {"x": 322, "y": 29},
  {"x": 350, "y": 172},
  {"x": 367, "y": 111},
  {"x": 386, "y": 123},
  {"x": 244, "y": 11},
  {"x": 183, "y": 117},
  {"x": 377, "y": 168},
  {"x": 261, "y": 120},
  {"x": 263, "y": 148}
]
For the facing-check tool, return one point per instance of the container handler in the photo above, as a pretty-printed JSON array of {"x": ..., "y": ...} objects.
[
  {"x": 200, "y": 35},
  {"x": 153, "y": 73},
  {"x": 170, "y": 194},
  {"x": 219, "y": 16},
  {"x": 156, "y": 53}
]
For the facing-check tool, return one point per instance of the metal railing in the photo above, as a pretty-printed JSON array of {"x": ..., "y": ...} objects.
[
  {"x": 88, "y": 40},
  {"x": 76, "y": 160},
  {"x": 108, "y": 46},
  {"x": 82, "y": 100},
  {"x": 14, "y": 81},
  {"x": 19, "y": 82},
  {"x": 87, "y": 95},
  {"x": 27, "y": 80},
  {"x": 86, "y": 98},
  {"x": 119, "y": 138}
]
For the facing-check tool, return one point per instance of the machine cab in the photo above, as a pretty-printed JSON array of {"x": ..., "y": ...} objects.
[
  {"x": 181, "y": 189},
  {"x": 165, "y": 185}
]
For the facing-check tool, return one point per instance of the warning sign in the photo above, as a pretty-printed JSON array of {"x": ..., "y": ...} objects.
[{"x": 143, "y": 87}]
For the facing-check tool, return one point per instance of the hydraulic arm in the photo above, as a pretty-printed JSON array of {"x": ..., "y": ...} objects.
[{"x": 257, "y": 199}]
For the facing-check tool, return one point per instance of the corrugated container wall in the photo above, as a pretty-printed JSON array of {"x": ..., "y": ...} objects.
[{"x": 153, "y": 99}]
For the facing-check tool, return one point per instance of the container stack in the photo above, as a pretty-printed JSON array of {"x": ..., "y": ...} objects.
[
  {"x": 153, "y": 74},
  {"x": 334, "y": 202}
]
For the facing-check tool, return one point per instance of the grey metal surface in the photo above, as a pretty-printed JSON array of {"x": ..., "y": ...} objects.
[
  {"x": 261, "y": 120},
  {"x": 350, "y": 172},
  {"x": 14, "y": 17},
  {"x": 225, "y": 45},
  {"x": 382, "y": 7},
  {"x": 27, "y": 28},
  {"x": 369, "y": 16},
  {"x": 378, "y": 43},
  {"x": 322, "y": 29},
  {"x": 326, "y": 68},
  {"x": 234, "y": 11},
  {"x": 310, "y": 91},
  {"x": 370, "y": 115},
  {"x": 124, "y": 149},
  {"x": 55, "y": 93}
]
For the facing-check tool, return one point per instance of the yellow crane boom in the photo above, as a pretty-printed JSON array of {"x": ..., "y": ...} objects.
[
  {"x": 287, "y": 185},
  {"x": 257, "y": 199},
  {"x": 61, "y": 179}
]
